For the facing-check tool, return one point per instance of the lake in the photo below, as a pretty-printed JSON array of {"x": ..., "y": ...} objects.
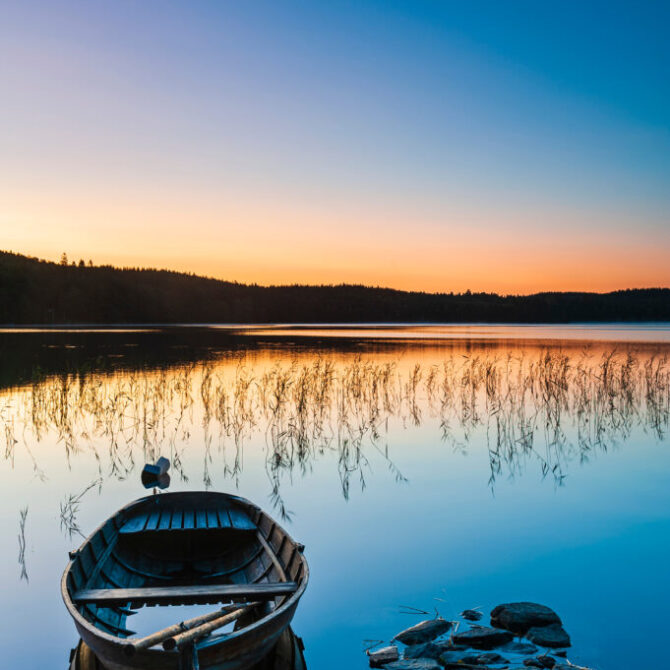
[{"x": 429, "y": 467}]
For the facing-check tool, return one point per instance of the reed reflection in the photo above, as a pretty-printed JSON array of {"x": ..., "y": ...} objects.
[
  {"x": 23, "y": 517},
  {"x": 544, "y": 406}
]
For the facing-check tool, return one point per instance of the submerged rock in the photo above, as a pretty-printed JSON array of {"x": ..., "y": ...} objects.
[
  {"x": 455, "y": 657},
  {"x": 383, "y": 656},
  {"x": 471, "y": 615},
  {"x": 426, "y": 650},
  {"x": 414, "y": 664},
  {"x": 540, "y": 662},
  {"x": 520, "y": 617},
  {"x": 483, "y": 637},
  {"x": 490, "y": 657},
  {"x": 519, "y": 648},
  {"x": 470, "y": 665},
  {"x": 425, "y": 631},
  {"x": 434, "y": 649},
  {"x": 549, "y": 636}
]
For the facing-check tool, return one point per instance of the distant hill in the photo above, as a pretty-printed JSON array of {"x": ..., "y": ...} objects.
[{"x": 34, "y": 291}]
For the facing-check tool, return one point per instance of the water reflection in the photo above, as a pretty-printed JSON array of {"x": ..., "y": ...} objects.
[
  {"x": 287, "y": 655},
  {"x": 69, "y": 508},
  {"x": 312, "y": 420},
  {"x": 23, "y": 516},
  {"x": 546, "y": 406}
]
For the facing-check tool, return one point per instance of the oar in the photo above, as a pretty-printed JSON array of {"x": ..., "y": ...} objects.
[
  {"x": 159, "y": 636},
  {"x": 183, "y": 639}
]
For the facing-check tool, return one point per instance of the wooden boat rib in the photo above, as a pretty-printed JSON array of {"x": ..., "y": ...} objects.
[{"x": 188, "y": 548}]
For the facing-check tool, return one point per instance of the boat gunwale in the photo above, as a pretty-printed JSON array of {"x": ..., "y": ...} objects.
[{"x": 212, "y": 641}]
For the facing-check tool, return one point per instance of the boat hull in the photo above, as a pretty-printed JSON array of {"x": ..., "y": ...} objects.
[
  {"x": 274, "y": 557},
  {"x": 286, "y": 655}
]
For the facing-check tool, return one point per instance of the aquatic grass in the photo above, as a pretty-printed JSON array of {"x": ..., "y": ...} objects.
[
  {"x": 546, "y": 406},
  {"x": 69, "y": 509}
]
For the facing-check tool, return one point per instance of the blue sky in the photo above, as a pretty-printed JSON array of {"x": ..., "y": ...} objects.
[{"x": 509, "y": 146}]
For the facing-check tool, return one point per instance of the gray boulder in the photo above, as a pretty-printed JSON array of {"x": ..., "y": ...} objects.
[
  {"x": 490, "y": 658},
  {"x": 519, "y": 617},
  {"x": 483, "y": 637},
  {"x": 472, "y": 615},
  {"x": 457, "y": 657},
  {"x": 435, "y": 650},
  {"x": 383, "y": 656},
  {"x": 425, "y": 631},
  {"x": 519, "y": 648},
  {"x": 549, "y": 636},
  {"x": 426, "y": 650}
]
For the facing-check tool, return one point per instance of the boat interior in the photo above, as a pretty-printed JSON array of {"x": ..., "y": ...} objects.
[{"x": 174, "y": 550}]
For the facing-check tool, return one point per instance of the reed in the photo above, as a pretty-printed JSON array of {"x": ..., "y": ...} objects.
[{"x": 545, "y": 406}]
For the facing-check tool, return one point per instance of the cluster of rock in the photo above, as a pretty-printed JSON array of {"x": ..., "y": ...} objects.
[{"x": 437, "y": 643}]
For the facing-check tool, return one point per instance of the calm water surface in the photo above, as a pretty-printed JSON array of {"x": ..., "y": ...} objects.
[{"x": 432, "y": 467}]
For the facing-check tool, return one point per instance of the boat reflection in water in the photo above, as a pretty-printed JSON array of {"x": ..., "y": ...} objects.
[
  {"x": 287, "y": 655},
  {"x": 186, "y": 549}
]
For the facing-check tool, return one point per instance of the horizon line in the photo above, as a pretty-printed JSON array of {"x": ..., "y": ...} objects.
[{"x": 90, "y": 265}]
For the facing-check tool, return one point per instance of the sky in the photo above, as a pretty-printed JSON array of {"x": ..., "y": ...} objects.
[{"x": 510, "y": 146}]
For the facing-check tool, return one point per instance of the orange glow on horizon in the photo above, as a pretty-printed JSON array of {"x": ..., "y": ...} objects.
[{"x": 267, "y": 241}]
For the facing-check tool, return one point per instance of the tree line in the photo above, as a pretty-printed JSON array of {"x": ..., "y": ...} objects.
[{"x": 34, "y": 291}]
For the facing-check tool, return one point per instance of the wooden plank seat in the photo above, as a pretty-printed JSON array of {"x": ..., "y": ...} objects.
[
  {"x": 166, "y": 518},
  {"x": 184, "y": 595}
]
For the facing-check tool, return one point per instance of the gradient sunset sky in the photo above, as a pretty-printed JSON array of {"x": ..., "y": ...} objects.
[{"x": 499, "y": 146}]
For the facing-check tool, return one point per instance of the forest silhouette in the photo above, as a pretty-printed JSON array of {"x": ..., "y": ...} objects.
[{"x": 34, "y": 291}]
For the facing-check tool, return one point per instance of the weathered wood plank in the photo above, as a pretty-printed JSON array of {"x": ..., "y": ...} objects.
[
  {"x": 135, "y": 524},
  {"x": 184, "y": 594},
  {"x": 212, "y": 519},
  {"x": 272, "y": 556},
  {"x": 166, "y": 520},
  {"x": 240, "y": 519},
  {"x": 224, "y": 519},
  {"x": 188, "y": 637},
  {"x": 171, "y": 631},
  {"x": 189, "y": 519},
  {"x": 152, "y": 522}
]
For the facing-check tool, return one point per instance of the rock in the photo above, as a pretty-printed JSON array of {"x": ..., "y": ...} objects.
[
  {"x": 519, "y": 617},
  {"x": 471, "y": 615},
  {"x": 532, "y": 663},
  {"x": 482, "y": 637},
  {"x": 483, "y": 659},
  {"x": 426, "y": 650},
  {"x": 549, "y": 636},
  {"x": 455, "y": 657},
  {"x": 435, "y": 650},
  {"x": 546, "y": 661},
  {"x": 519, "y": 648},
  {"x": 449, "y": 645},
  {"x": 414, "y": 664},
  {"x": 383, "y": 656},
  {"x": 490, "y": 657},
  {"x": 425, "y": 631}
]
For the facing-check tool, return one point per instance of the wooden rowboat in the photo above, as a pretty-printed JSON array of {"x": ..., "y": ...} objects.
[{"x": 191, "y": 548}]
